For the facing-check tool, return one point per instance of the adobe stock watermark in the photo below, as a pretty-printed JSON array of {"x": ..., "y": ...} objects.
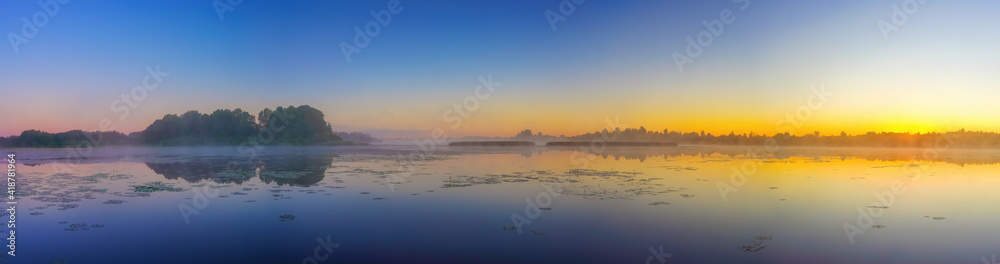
[
  {"x": 898, "y": 17},
  {"x": 992, "y": 260},
  {"x": 544, "y": 199},
  {"x": 224, "y": 6},
  {"x": 380, "y": 20},
  {"x": 122, "y": 106},
  {"x": 886, "y": 198},
  {"x": 322, "y": 251},
  {"x": 787, "y": 124},
  {"x": 566, "y": 8},
  {"x": 30, "y": 27},
  {"x": 713, "y": 29},
  {"x": 658, "y": 255},
  {"x": 455, "y": 115}
]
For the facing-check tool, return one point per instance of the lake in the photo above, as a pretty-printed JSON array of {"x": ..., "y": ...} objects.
[{"x": 401, "y": 204}]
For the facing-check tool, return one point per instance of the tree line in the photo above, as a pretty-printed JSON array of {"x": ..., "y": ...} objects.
[
  {"x": 957, "y": 139},
  {"x": 302, "y": 125}
]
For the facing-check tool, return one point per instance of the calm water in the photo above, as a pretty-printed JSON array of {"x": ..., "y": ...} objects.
[{"x": 396, "y": 204}]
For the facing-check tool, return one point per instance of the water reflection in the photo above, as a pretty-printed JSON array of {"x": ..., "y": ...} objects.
[
  {"x": 295, "y": 170},
  {"x": 953, "y": 156}
]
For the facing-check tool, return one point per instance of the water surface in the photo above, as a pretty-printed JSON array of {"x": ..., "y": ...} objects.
[{"x": 383, "y": 204}]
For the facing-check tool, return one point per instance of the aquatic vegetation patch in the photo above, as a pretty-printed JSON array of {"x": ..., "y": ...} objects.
[
  {"x": 756, "y": 245},
  {"x": 115, "y": 202},
  {"x": 156, "y": 187},
  {"x": 89, "y": 189},
  {"x": 659, "y": 203},
  {"x": 286, "y": 217},
  {"x": 678, "y": 168},
  {"x": 105, "y": 176},
  {"x": 455, "y": 185},
  {"x": 78, "y": 227}
]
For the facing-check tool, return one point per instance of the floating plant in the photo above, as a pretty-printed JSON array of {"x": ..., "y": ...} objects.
[
  {"x": 155, "y": 187},
  {"x": 114, "y": 202}
]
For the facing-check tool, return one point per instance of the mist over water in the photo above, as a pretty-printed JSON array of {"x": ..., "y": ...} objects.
[{"x": 396, "y": 203}]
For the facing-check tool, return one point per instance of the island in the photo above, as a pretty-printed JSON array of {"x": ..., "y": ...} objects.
[{"x": 296, "y": 126}]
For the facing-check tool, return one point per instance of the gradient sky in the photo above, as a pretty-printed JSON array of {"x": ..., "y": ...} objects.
[{"x": 609, "y": 59}]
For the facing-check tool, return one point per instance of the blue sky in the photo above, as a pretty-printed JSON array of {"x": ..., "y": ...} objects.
[{"x": 607, "y": 59}]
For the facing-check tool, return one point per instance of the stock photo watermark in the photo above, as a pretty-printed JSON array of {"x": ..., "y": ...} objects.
[
  {"x": 380, "y": 20},
  {"x": 581, "y": 158},
  {"x": 658, "y": 255},
  {"x": 38, "y": 20},
  {"x": 992, "y": 260},
  {"x": 224, "y": 6},
  {"x": 122, "y": 106},
  {"x": 787, "y": 124},
  {"x": 458, "y": 113},
  {"x": 12, "y": 204},
  {"x": 713, "y": 29},
  {"x": 899, "y": 16},
  {"x": 565, "y": 9},
  {"x": 322, "y": 251},
  {"x": 886, "y": 198}
]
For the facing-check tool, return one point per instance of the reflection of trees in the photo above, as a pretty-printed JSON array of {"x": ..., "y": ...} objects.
[
  {"x": 300, "y": 170},
  {"x": 959, "y": 157},
  {"x": 203, "y": 169},
  {"x": 297, "y": 170}
]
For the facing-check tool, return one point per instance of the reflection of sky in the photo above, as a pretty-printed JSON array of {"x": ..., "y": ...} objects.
[
  {"x": 607, "y": 59},
  {"x": 464, "y": 224}
]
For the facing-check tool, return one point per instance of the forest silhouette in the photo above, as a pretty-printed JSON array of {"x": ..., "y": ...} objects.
[
  {"x": 303, "y": 125},
  {"x": 954, "y": 139}
]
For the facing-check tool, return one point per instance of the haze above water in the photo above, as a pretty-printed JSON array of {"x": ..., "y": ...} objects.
[{"x": 124, "y": 205}]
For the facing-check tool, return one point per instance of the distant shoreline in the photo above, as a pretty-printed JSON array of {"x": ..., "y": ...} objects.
[
  {"x": 561, "y": 144},
  {"x": 335, "y": 143}
]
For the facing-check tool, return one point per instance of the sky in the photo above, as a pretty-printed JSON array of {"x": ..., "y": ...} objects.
[{"x": 935, "y": 70}]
